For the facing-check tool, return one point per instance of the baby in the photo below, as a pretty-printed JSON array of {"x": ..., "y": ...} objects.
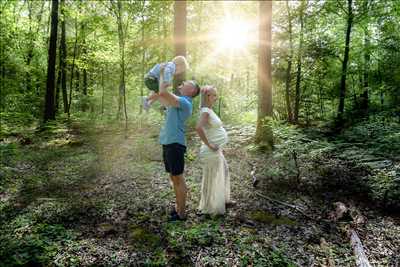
[{"x": 162, "y": 74}]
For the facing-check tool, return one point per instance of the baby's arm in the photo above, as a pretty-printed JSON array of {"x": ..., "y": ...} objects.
[{"x": 153, "y": 97}]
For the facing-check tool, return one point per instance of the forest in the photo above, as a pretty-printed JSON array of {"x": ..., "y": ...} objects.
[{"x": 307, "y": 91}]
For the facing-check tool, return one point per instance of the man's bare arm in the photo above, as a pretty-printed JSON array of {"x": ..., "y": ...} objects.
[{"x": 166, "y": 98}]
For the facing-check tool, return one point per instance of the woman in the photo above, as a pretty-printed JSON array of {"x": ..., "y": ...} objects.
[{"x": 215, "y": 187}]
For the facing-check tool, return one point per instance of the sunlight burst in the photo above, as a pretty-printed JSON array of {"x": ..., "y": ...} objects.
[{"x": 233, "y": 35}]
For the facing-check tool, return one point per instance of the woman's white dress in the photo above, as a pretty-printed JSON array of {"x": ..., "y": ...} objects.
[{"x": 215, "y": 187}]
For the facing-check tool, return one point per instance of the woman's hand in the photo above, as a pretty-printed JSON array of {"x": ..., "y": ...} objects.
[{"x": 214, "y": 147}]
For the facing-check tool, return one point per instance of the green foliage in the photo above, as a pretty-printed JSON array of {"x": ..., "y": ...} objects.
[
  {"x": 142, "y": 237},
  {"x": 205, "y": 234},
  {"x": 382, "y": 136},
  {"x": 33, "y": 245},
  {"x": 385, "y": 188},
  {"x": 353, "y": 162},
  {"x": 253, "y": 253},
  {"x": 266, "y": 217}
]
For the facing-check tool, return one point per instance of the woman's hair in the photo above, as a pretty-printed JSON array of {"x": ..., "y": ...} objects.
[
  {"x": 181, "y": 60},
  {"x": 203, "y": 94}
]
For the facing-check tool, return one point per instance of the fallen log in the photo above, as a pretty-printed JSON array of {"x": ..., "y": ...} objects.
[
  {"x": 358, "y": 249},
  {"x": 285, "y": 204}
]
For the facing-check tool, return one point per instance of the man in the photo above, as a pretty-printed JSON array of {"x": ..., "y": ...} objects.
[{"x": 173, "y": 141}]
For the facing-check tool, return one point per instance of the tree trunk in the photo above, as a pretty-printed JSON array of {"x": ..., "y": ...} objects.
[
  {"x": 179, "y": 37},
  {"x": 64, "y": 60},
  {"x": 73, "y": 66},
  {"x": 84, "y": 70},
  {"x": 289, "y": 67},
  {"x": 77, "y": 79},
  {"x": 143, "y": 58},
  {"x": 367, "y": 57},
  {"x": 49, "y": 112},
  {"x": 264, "y": 132},
  {"x": 58, "y": 84},
  {"x": 29, "y": 57},
  {"x": 358, "y": 249},
  {"x": 61, "y": 78},
  {"x": 102, "y": 87},
  {"x": 299, "y": 58},
  {"x": 342, "y": 90},
  {"x": 122, "y": 98}
]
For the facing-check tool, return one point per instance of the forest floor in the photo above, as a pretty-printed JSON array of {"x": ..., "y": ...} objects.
[{"x": 78, "y": 194}]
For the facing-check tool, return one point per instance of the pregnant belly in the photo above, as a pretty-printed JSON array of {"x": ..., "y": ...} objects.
[{"x": 218, "y": 136}]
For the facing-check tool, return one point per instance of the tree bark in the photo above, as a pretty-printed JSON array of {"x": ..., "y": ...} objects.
[
  {"x": 61, "y": 78},
  {"x": 179, "y": 37},
  {"x": 84, "y": 69},
  {"x": 367, "y": 57},
  {"x": 29, "y": 56},
  {"x": 144, "y": 57},
  {"x": 299, "y": 58},
  {"x": 73, "y": 66},
  {"x": 102, "y": 87},
  {"x": 342, "y": 90},
  {"x": 361, "y": 258},
  {"x": 49, "y": 112},
  {"x": 58, "y": 84},
  {"x": 264, "y": 132},
  {"x": 77, "y": 79},
  {"x": 289, "y": 67},
  {"x": 122, "y": 98}
]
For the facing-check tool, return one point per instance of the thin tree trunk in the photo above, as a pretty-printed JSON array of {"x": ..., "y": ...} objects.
[
  {"x": 84, "y": 71},
  {"x": 381, "y": 95},
  {"x": 72, "y": 67},
  {"x": 179, "y": 37},
  {"x": 122, "y": 98},
  {"x": 58, "y": 85},
  {"x": 102, "y": 87},
  {"x": 31, "y": 48},
  {"x": 264, "y": 132},
  {"x": 299, "y": 58},
  {"x": 77, "y": 79},
  {"x": 61, "y": 78},
  {"x": 143, "y": 59},
  {"x": 289, "y": 67},
  {"x": 63, "y": 59},
  {"x": 367, "y": 57},
  {"x": 49, "y": 112},
  {"x": 342, "y": 91}
]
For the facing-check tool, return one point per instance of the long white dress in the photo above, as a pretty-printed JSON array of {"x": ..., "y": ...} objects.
[{"x": 215, "y": 187}]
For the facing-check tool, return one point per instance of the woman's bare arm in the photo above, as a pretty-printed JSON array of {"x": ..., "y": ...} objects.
[{"x": 203, "y": 121}]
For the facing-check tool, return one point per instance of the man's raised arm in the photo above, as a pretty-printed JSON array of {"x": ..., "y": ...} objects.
[{"x": 166, "y": 98}]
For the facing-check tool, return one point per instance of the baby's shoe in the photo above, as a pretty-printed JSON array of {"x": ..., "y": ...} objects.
[{"x": 145, "y": 103}]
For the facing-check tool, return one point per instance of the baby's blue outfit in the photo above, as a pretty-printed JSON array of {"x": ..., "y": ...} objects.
[{"x": 169, "y": 71}]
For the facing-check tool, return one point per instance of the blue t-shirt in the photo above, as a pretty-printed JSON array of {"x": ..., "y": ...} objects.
[
  {"x": 173, "y": 130},
  {"x": 169, "y": 71}
]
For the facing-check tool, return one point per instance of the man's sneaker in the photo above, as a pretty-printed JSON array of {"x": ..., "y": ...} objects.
[
  {"x": 145, "y": 103},
  {"x": 175, "y": 217}
]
